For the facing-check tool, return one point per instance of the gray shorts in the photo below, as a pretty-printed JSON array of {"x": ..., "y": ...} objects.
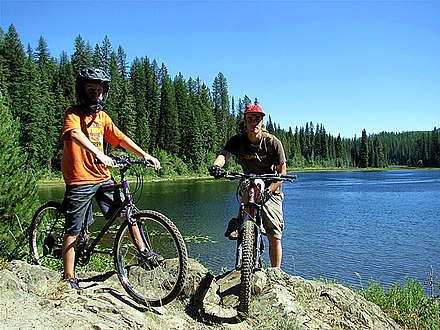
[
  {"x": 78, "y": 204},
  {"x": 273, "y": 221}
]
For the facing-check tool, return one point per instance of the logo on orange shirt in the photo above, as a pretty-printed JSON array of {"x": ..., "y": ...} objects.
[{"x": 96, "y": 134}]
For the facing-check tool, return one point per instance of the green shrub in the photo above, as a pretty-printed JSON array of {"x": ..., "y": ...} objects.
[{"x": 407, "y": 305}]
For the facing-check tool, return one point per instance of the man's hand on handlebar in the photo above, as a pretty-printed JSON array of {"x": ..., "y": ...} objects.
[
  {"x": 216, "y": 171},
  {"x": 265, "y": 195}
]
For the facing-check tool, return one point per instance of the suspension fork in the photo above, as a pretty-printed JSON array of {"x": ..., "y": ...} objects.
[
  {"x": 257, "y": 220},
  {"x": 239, "y": 250},
  {"x": 136, "y": 234},
  {"x": 245, "y": 214}
]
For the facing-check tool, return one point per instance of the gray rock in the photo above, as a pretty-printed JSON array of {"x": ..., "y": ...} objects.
[{"x": 32, "y": 297}]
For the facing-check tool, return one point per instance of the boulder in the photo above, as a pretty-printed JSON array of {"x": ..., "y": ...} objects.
[{"x": 33, "y": 297}]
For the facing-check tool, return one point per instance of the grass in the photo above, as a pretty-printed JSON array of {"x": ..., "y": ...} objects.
[{"x": 405, "y": 304}]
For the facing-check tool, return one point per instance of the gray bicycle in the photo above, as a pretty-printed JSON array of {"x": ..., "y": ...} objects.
[{"x": 250, "y": 245}]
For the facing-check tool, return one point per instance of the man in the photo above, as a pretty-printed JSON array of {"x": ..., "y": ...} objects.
[
  {"x": 258, "y": 152},
  {"x": 85, "y": 128}
]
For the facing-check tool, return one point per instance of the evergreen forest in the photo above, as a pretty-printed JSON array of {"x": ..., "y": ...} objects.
[{"x": 182, "y": 121}]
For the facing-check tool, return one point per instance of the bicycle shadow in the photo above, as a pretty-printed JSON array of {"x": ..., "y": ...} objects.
[{"x": 98, "y": 282}]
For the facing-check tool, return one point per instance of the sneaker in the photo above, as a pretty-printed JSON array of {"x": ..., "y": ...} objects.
[
  {"x": 73, "y": 282},
  {"x": 233, "y": 236},
  {"x": 150, "y": 259},
  {"x": 232, "y": 231}
]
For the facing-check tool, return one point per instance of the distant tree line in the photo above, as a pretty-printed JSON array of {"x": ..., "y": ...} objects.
[{"x": 182, "y": 121}]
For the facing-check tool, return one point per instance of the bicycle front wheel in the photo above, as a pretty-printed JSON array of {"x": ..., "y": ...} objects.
[
  {"x": 46, "y": 234},
  {"x": 247, "y": 267},
  {"x": 159, "y": 278}
]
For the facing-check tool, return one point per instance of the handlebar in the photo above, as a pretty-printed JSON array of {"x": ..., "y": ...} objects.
[
  {"x": 253, "y": 176},
  {"x": 127, "y": 162}
]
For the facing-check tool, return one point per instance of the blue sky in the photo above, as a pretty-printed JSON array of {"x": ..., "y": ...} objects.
[{"x": 348, "y": 65}]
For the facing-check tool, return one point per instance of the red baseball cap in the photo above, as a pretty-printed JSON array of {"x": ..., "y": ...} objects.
[{"x": 254, "y": 108}]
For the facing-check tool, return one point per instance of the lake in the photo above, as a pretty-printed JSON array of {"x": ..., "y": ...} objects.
[{"x": 348, "y": 226}]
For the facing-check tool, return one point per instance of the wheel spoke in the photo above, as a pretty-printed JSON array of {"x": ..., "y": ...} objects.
[
  {"x": 157, "y": 276},
  {"x": 46, "y": 235}
]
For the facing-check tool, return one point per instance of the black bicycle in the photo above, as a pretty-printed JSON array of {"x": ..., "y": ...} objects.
[
  {"x": 154, "y": 276},
  {"x": 250, "y": 245}
]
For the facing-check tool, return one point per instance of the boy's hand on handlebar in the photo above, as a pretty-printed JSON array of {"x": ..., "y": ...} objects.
[
  {"x": 216, "y": 171},
  {"x": 105, "y": 160},
  {"x": 154, "y": 161}
]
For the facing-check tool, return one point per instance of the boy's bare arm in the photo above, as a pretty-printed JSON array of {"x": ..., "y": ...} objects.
[
  {"x": 130, "y": 145},
  {"x": 81, "y": 139}
]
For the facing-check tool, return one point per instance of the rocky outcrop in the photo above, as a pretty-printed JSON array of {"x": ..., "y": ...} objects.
[{"x": 32, "y": 297}]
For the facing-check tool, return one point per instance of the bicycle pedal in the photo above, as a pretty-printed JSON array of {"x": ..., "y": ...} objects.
[{"x": 150, "y": 259}]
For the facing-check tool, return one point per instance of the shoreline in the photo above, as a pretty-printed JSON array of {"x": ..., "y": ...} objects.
[{"x": 60, "y": 181}]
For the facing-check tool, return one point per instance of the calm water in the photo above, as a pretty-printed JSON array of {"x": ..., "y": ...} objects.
[{"x": 381, "y": 225}]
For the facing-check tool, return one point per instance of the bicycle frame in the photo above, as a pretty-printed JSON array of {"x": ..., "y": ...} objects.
[{"x": 127, "y": 204}]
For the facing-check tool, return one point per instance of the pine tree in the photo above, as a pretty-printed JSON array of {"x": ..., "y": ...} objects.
[
  {"x": 138, "y": 83},
  {"x": 127, "y": 111},
  {"x": 339, "y": 151},
  {"x": 317, "y": 144},
  {"x": 113, "y": 104},
  {"x": 269, "y": 125},
  {"x": 153, "y": 103},
  {"x": 185, "y": 115},
  {"x": 364, "y": 152},
  {"x": 381, "y": 160},
  {"x": 33, "y": 115},
  {"x": 210, "y": 141},
  {"x": 193, "y": 125},
  {"x": 106, "y": 51},
  {"x": 46, "y": 136},
  {"x": 13, "y": 60},
  {"x": 434, "y": 151},
  {"x": 64, "y": 96},
  {"x": 169, "y": 129},
  {"x": 97, "y": 57},
  {"x": 18, "y": 196},
  {"x": 221, "y": 106},
  {"x": 82, "y": 56},
  {"x": 66, "y": 81}
]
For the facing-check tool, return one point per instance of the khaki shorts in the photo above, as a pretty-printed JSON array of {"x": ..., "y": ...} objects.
[{"x": 273, "y": 220}]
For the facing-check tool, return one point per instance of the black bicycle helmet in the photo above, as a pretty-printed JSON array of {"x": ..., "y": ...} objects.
[{"x": 94, "y": 75}]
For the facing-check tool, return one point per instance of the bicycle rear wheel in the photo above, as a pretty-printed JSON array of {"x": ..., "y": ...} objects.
[
  {"x": 247, "y": 267},
  {"x": 158, "y": 280},
  {"x": 46, "y": 234}
]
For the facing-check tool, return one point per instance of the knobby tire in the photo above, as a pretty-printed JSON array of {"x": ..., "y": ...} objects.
[
  {"x": 151, "y": 283},
  {"x": 46, "y": 233},
  {"x": 247, "y": 267}
]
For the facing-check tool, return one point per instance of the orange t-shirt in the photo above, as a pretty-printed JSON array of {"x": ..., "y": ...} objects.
[{"x": 78, "y": 165}]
